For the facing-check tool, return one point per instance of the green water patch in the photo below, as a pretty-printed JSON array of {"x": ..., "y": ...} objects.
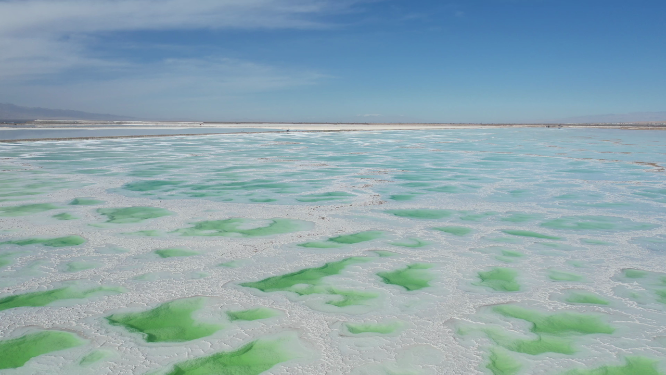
[
  {"x": 402, "y": 197},
  {"x": 44, "y": 298},
  {"x": 174, "y": 252},
  {"x": 51, "y": 242},
  {"x": 77, "y": 266},
  {"x": 245, "y": 186},
  {"x": 521, "y": 217},
  {"x": 26, "y": 209},
  {"x": 510, "y": 240},
  {"x": 323, "y": 197},
  {"x": 456, "y": 231},
  {"x": 169, "y": 322},
  {"x": 147, "y": 277},
  {"x": 232, "y": 264},
  {"x": 239, "y": 227},
  {"x": 253, "y": 314},
  {"x": 527, "y": 233},
  {"x": 467, "y": 216},
  {"x": 500, "y": 362},
  {"x": 509, "y": 256},
  {"x": 520, "y": 193},
  {"x": 127, "y": 215},
  {"x": 94, "y": 357},
  {"x": 596, "y": 223},
  {"x": 544, "y": 343},
  {"x": 411, "y": 242},
  {"x": 563, "y": 276},
  {"x": 499, "y": 279},
  {"x": 150, "y": 185},
  {"x": 384, "y": 253},
  {"x": 555, "y": 332},
  {"x": 654, "y": 284},
  {"x": 263, "y": 200},
  {"x": 216, "y": 194},
  {"x": 564, "y": 323},
  {"x": 350, "y": 239},
  {"x": 17, "y": 185},
  {"x": 412, "y": 277},
  {"x": 320, "y": 244},
  {"x": 585, "y": 298},
  {"x": 632, "y": 366},
  {"x": 310, "y": 277},
  {"x": 346, "y": 298},
  {"x": 309, "y": 281},
  {"x": 85, "y": 202},
  {"x": 64, "y": 216},
  {"x": 512, "y": 254},
  {"x": 502, "y": 253},
  {"x": 14, "y": 353},
  {"x": 428, "y": 214},
  {"x": 5, "y": 260},
  {"x": 380, "y": 328},
  {"x": 252, "y": 359},
  {"x": 347, "y": 239},
  {"x": 634, "y": 274}
]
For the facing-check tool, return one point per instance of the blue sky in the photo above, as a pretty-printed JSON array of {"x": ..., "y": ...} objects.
[{"x": 329, "y": 61}]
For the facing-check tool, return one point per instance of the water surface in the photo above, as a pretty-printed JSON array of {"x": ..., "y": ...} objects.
[{"x": 471, "y": 251}]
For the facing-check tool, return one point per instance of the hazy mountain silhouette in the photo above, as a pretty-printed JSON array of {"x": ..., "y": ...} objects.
[{"x": 15, "y": 112}]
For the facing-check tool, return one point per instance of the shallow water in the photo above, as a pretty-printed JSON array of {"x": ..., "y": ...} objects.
[
  {"x": 13, "y": 134},
  {"x": 485, "y": 251}
]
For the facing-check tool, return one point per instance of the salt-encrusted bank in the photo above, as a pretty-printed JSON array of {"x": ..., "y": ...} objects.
[{"x": 487, "y": 251}]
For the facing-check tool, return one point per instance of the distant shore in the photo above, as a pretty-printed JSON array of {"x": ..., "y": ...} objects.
[{"x": 80, "y": 130}]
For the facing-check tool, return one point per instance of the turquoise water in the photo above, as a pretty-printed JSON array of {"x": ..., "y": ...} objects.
[{"x": 499, "y": 251}]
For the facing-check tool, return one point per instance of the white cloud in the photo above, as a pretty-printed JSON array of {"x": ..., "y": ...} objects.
[
  {"x": 60, "y": 17},
  {"x": 47, "y": 36},
  {"x": 39, "y": 39}
]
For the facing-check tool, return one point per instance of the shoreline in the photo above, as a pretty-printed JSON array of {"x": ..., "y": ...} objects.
[{"x": 273, "y": 128}]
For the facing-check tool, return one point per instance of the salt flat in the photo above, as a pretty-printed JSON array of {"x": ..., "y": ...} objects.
[{"x": 450, "y": 251}]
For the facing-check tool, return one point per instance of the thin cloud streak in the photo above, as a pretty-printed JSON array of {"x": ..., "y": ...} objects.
[
  {"x": 40, "y": 37},
  {"x": 45, "y": 44},
  {"x": 64, "y": 17}
]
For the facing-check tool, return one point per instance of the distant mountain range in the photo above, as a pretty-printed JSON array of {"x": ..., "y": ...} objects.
[
  {"x": 18, "y": 113},
  {"x": 615, "y": 118},
  {"x": 15, "y": 112}
]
